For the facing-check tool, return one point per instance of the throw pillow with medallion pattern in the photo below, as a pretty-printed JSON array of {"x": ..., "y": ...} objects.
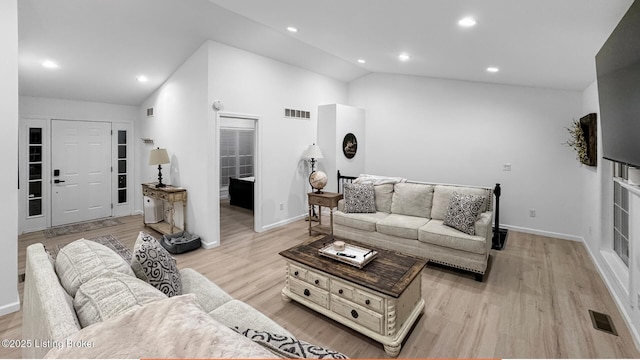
[
  {"x": 463, "y": 211},
  {"x": 288, "y": 347},
  {"x": 152, "y": 263},
  {"x": 359, "y": 198}
]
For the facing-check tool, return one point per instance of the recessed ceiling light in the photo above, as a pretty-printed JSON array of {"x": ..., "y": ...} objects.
[
  {"x": 142, "y": 78},
  {"x": 493, "y": 69},
  {"x": 362, "y": 61},
  {"x": 50, "y": 64},
  {"x": 292, "y": 29},
  {"x": 404, "y": 57},
  {"x": 467, "y": 22}
]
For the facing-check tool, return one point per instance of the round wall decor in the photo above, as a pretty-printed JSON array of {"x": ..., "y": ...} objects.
[{"x": 349, "y": 145}]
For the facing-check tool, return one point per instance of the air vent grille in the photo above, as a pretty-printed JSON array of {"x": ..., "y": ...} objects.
[
  {"x": 150, "y": 112},
  {"x": 602, "y": 322},
  {"x": 297, "y": 114}
]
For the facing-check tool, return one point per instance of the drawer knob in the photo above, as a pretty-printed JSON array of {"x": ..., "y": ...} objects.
[
  {"x": 340, "y": 291},
  {"x": 295, "y": 273},
  {"x": 367, "y": 302},
  {"x": 307, "y": 292},
  {"x": 317, "y": 281},
  {"x": 354, "y": 314}
]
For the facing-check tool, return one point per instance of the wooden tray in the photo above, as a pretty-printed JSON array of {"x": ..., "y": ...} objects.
[{"x": 361, "y": 256}]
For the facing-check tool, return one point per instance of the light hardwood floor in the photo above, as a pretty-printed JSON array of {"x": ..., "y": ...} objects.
[{"x": 533, "y": 304}]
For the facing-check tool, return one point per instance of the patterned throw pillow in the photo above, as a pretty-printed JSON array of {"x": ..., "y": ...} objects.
[
  {"x": 359, "y": 198},
  {"x": 463, "y": 212},
  {"x": 153, "y": 264},
  {"x": 289, "y": 347}
]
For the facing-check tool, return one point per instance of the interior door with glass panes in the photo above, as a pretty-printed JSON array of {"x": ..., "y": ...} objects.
[{"x": 81, "y": 171}]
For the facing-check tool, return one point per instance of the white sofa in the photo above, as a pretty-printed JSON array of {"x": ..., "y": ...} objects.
[
  {"x": 409, "y": 218},
  {"x": 51, "y": 318}
]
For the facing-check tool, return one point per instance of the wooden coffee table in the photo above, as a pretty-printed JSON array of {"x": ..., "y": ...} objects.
[{"x": 382, "y": 300}]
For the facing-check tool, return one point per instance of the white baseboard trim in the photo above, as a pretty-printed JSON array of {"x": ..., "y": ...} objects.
[
  {"x": 543, "y": 233},
  {"x": 138, "y": 212},
  {"x": 11, "y": 307},
  {"x": 282, "y": 222},
  {"x": 210, "y": 245}
]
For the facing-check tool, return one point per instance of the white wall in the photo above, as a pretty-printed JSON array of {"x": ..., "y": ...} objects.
[
  {"x": 252, "y": 84},
  {"x": 464, "y": 132},
  {"x": 76, "y": 110},
  {"x": 9, "y": 299},
  {"x": 334, "y": 122},
  {"x": 181, "y": 125},
  {"x": 246, "y": 83}
]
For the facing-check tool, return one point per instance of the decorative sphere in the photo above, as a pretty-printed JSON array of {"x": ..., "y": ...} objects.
[{"x": 318, "y": 180}]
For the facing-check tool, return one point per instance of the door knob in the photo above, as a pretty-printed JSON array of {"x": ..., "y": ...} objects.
[{"x": 58, "y": 181}]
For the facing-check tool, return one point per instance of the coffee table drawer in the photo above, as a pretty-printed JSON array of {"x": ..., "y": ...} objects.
[
  {"x": 369, "y": 301},
  {"x": 318, "y": 280},
  {"x": 309, "y": 292},
  {"x": 341, "y": 289},
  {"x": 297, "y": 272},
  {"x": 357, "y": 314}
]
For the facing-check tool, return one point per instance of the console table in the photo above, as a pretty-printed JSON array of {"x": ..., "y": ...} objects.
[{"x": 171, "y": 195}]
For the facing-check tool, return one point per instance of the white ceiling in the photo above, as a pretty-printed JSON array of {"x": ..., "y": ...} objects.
[{"x": 102, "y": 45}]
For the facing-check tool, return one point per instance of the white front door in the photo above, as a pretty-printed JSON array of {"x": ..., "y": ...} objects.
[{"x": 81, "y": 165}]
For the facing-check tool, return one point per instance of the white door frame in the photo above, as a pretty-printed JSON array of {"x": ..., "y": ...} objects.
[{"x": 257, "y": 167}]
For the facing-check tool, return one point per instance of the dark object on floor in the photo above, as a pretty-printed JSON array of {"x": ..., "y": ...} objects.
[
  {"x": 241, "y": 192},
  {"x": 181, "y": 242},
  {"x": 602, "y": 322}
]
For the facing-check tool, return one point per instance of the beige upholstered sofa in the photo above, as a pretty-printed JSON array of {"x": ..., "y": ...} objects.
[
  {"x": 409, "y": 217},
  {"x": 144, "y": 323}
]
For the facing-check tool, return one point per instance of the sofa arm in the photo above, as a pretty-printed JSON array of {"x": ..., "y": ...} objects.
[
  {"x": 341, "y": 205},
  {"x": 483, "y": 226},
  {"x": 209, "y": 295}
]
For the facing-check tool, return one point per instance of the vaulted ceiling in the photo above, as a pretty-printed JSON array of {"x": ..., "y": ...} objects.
[{"x": 101, "y": 46}]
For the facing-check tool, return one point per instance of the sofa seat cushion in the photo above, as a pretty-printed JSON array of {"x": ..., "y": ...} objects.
[
  {"x": 209, "y": 295},
  {"x": 412, "y": 199},
  {"x": 236, "y": 314},
  {"x": 103, "y": 298},
  {"x": 436, "y": 233},
  {"x": 83, "y": 260},
  {"x": 365, "y": 221},
  {"x": 403, "y": 226}
]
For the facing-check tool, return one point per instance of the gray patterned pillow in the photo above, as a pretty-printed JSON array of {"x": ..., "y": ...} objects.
[
  {"x": 463, "y": 212},
  {"x": 359, "y": 198},
  {"x": 289, "y": 347},
  {"x": 152, "y": 263}
]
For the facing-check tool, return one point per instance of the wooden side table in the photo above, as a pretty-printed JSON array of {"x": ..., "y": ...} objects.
[
  {"x": 171, "y": 195},
  {"x": 327, "y": 199}
]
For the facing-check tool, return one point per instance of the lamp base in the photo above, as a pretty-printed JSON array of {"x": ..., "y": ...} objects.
[{"x": 160, "y": 184}]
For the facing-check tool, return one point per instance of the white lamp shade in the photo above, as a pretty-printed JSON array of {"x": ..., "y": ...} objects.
[
  {"x": 158, "y": 156},
  {"x": 312, "y": 152}
]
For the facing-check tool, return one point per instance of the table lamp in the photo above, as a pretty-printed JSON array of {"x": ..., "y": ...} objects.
[{"x": 158, "y": 157}]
